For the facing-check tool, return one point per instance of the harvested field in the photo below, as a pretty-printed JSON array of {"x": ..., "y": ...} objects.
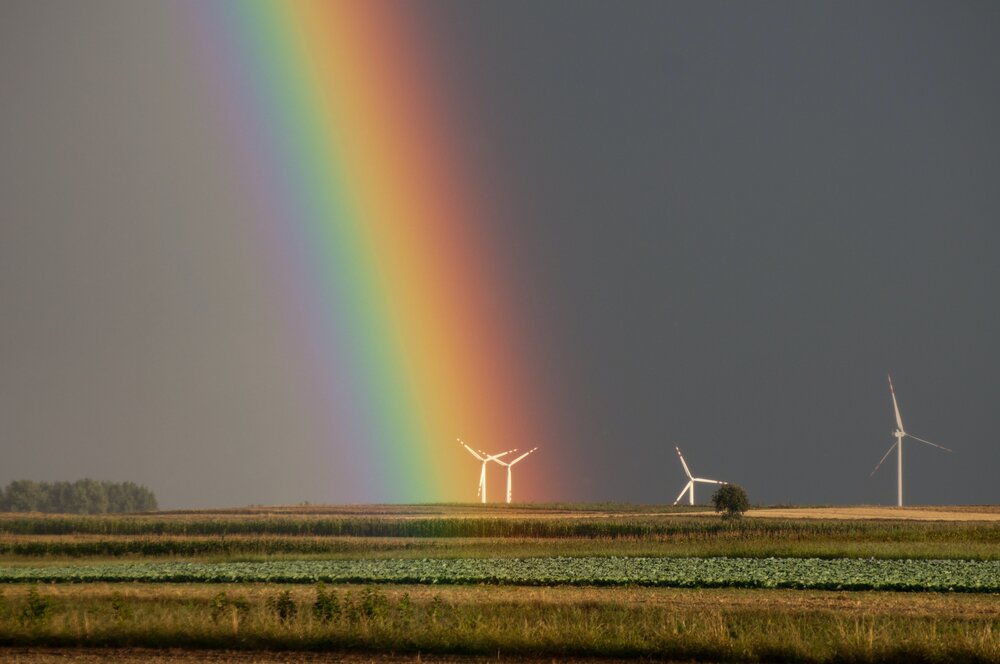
[{"x": 904, "y": 513}]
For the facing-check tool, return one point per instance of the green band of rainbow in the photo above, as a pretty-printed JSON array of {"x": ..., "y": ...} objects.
[{"x": 381, "y": 241}]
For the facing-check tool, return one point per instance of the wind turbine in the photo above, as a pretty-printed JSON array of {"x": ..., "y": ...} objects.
[
  {"x": 900, "y": 434},
  {"x": 502, "y": 463},
  {"x": 689, "y": 487},
  {"x": 485, "y": 458}
]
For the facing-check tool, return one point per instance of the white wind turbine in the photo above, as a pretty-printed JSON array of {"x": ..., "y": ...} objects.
[
  {"x": 689, "y": 487},
  {"x": 502, "y": 463},
  {"x": 900, "y": 434},
  {"x": 485, "y": 458}
]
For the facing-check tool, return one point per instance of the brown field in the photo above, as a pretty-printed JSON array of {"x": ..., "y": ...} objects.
[
  {"x": 944, "y": 513},
  {"x": 545, "y": 511}
]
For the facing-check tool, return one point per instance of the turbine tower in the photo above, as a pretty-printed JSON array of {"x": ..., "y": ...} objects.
[
  {"x": 689, "y": 487},
  {"x": 502, "y": 463},
  {"x": 485, "y": 458},
  {"x": 900, "y": 434}
]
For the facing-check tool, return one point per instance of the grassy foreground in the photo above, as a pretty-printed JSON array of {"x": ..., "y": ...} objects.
[{"x": 712, "y": 625}]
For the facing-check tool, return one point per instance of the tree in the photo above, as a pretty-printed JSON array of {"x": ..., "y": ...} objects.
[
  {"x": 94, "y": 495},
  {"x": 23, "y": 496},
  {"x": 84, "y": 496},
  {"x": 731, "y": 500}
]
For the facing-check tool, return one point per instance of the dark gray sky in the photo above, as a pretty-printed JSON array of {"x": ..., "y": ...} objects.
[{"x": 729, "y": 222}]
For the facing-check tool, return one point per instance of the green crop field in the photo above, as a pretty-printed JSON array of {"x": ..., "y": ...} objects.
[
  {"x": 542, "y": 582},
  {"x": 836, "y": 574}
]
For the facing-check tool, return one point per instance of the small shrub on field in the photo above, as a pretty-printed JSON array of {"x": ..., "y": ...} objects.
[
  {"x": 435, "y": 608},
  {"x": 405, "y": 610},
  {"x": 240, "y": 605},
  {"x": 222, "y": 605},
  {"x": 374, "y": 605},
  {"x": 327, "y": 605},
  {"x": 731, "y": 500},
  {"x": 218, "y": 605},
  {"x": 352, "y": 610},
  {"x": 283, "y": 606},
  {"x": 37, "y": 609},
  {"x": 121, "y": 611}
]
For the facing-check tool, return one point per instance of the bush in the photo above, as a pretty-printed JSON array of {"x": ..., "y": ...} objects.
[
  {"x": 327, "y": 604},
  {"x": 37, "y": 609},
  {"x": 121, "y": 611},
  {"x": 374, "y": 605},
  {"x": 223, "y": 605},
  {"x": 731, "y": 500},
  {"x": 284, "y": 606}
]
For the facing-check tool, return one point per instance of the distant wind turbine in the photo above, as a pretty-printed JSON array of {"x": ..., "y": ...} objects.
[
  {"x": 485, "y": 458},
  {"x": 502, "y": 463},
  {"x": 689, "y": 487},
  {"x": 900, "y": 434}
]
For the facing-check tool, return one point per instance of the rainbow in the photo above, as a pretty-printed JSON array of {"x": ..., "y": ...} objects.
[{"x": 396, "y": 297}]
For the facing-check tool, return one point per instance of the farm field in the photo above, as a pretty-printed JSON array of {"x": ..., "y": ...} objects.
[
  {"x": 469, "y": 581},
  {"x": 978, "y": 513},
  {"x": 799, "y": 573}
]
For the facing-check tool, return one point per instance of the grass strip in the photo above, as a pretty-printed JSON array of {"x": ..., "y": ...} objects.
[
  {"x": 746, "y": 626},
  {"x": 255, "y": 547}
]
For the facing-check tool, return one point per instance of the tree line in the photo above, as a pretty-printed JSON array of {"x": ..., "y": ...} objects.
[{"x": 84, "y": 496}]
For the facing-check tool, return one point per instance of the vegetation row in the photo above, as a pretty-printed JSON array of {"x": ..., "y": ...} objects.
[
  {"x": 84, "y": 496},
  {"x": 799, "y": 573},
  {"x": 267, "y": 547},
  {"x": 631, "y": 527}
]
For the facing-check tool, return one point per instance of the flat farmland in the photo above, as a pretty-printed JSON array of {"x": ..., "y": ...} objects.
[
  {"x": 583, "y": 582},
  {"x": 944, "y": 514}
]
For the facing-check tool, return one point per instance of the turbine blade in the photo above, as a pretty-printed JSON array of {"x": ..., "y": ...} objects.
[
  {"x": 884, "y": 457},
  {"x": 702, "y": 479},
  {"x": 494, "y": 457},
  {"x": 683, "y": 491},
  {"x": 940, "y": 447},
  {"x": 519, "y": 458},
  {"x": 899, "y": 419},
  {"x": 683, "y": 463},
  {"x": 471, "y": 451}
]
